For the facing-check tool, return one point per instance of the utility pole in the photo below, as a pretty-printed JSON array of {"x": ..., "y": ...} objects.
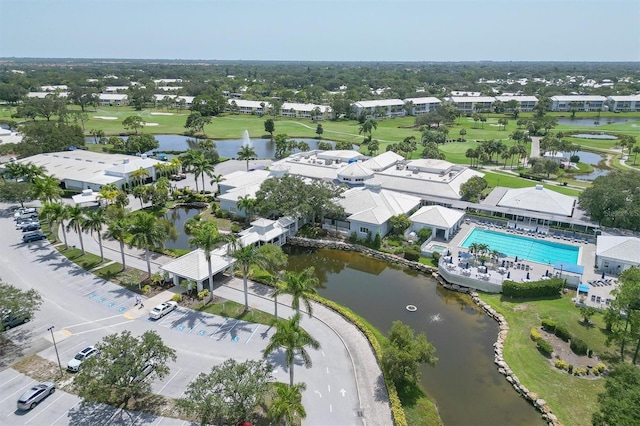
[{"x": 56, "y": 348}]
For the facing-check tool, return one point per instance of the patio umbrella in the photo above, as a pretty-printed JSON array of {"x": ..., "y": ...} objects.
[
  {"x": 527, "y": 275},
  {"x": 466, "y": 255},
  {"x": 516, "y": 258},
  {"x": 546, "y": 274},
  {"x": 467, "y": 266},
  {"x": 508, "y": 274},
  {"x": 603, "y": 275},
  {"x": 502, "y": 264}
]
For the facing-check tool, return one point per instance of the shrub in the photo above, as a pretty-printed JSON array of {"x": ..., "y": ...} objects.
[
  {"x": 146, "y": 289},
  {"x": 580, "y": 371},
  {"x": 377, "y": 241},
  {"x": 435, "y": 256},
  {"x": 545, "y": 347},
  {"x": 398, "y": 251},
  {"x": 535, "y": 334},
  {"x": 562, "y": 365},
  {"x": 177, "y": 297},
  {"x": 578, "y": 346},
  {"x": 235, "y": 228},
  {"x": 570, "y": 369},
  {"x": 412, "y": 253},
  {"x": 353, "y": 238},
  {"x": 203, "y": 294},
  {"x": 549, "y": 325},
  {"x": 542, "y": 288},
  {"x": 563, "y": 333},
  {"x": 599, "y": 369},
  {"x": 423, "y": 235}
]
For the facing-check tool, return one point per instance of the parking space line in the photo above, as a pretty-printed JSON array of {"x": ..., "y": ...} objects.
[
  {"x": 229, "y": 331},
  {"x": 11, "y": 380},
  {"x": 91, "y": 322},
  {"x": 43, "y": 409},
  {"x": 100, "y": 328},
  {"x": 169, "y": 381},
  {"x": 73, "y": 348},
  {"x": 254, "y": 332},
  {"x": 64, "y": 414},
  {"x": 22, "y": 390},
  {"x": 169, "y": 319},
  {"x": 198, "y": 324},
  {"x": 219, "y": 327}
]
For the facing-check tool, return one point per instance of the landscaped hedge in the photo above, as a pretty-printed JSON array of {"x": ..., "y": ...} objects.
[
  {"x": 549, "y": 325},
  {"x": 533, "y": 289},
  {"x": 535, "y": 334},
  {"x": 563, "y": 333},
  {"x": 578, "y": 346},
  {"x": 544, "y": 347}
]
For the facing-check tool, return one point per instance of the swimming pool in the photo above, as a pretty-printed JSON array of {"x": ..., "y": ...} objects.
[{"x": 535, "y": 250}]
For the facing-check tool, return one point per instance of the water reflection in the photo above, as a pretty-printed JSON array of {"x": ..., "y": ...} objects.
[
  {"x": 465, "y": 383},
  {"x": 593, "y": 121},
  {"x": 178, "y": 217}
]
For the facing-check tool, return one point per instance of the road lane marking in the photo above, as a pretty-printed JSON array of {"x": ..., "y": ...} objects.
[
  {"x": 64, "y": 414},
  {"x": 100, "y": 328},
  {"x": 42, "y": 410},
  {"x": 318, "y": 392},
  {"x": 329, "y": 387},
  {"x": 91, "y": 322},
  {"x": 21, "y": 390},
  {"x": 330, "y": 408},
  {"x": 165, "y": 385},
  {"x": 11, "y": 380},
  {"x": 229, "y": 331},
  {"x": 219, "y": 327}
]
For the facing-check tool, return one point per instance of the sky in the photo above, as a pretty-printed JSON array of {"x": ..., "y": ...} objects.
[{"x": 323, "y": 30}]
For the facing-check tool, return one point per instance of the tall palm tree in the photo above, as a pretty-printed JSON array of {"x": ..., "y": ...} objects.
[
  {"x": 109, "y": 193},
  {"x": 207, "y": 238},
  {"x": 202, "y": 167},
  {"x": 76, "y": 221},
  {"x": 189, "y": 161},
  {"x": 146, "y": 232},
  {"x": 247, "y": 153},
  {"x": 31, "y": 171},
  {"x": 247, "y": 205},
  {"x": 93, "y": 222},
  {"x": 47, "y": 189},
  {"x": 293, "y": 339},
  {"x": 300, "y": 285},
  {"x": 118, "y": 230},
  {"x": 368, "y": 127},
  {"x": 246, "y": 257},
  {"x": 54, "y": 215},
  {"x": 287, "y": 404},
  {"x": 216, "y": 179},
  {"x": 138, "y": 176}
]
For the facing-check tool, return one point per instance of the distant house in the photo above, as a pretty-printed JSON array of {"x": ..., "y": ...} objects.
[
  {"x": 42, "y": 95},
  {"x": 419, "y": 106},
  {"x": 244, "y": 106},
  {"x": 525, "y": 103},
  {"x": 471, "y": 104},
  {"x": 309, "y": 111},
  {"x": 630, "y": 103},
  {"x": 388, "y": 107},
  {"x": 113, "y": 99},
  {"x": 565, "y": 103},
  {"x": 115, "y": 89}
]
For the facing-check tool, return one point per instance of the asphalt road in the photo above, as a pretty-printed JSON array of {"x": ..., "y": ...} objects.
[{"x": 83, "y": 309}]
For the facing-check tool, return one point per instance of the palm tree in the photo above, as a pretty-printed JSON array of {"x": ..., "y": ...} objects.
[
  {"x": 76, "y": 221},
  {"x": 31, "y": 171},
  {"x": 300, "y": 285},
  {"x": 287, "y": 404},
  {"x": 54, "y": 215},
  {"x": 93, "y": 221},
  {"x": 247, "y": 205},
  {"x": 207, "y": 238},
  {"x": 190, "y": 159},
  {"x": 247, "y": 153},
  {"x": 246, "y": 257},
  {"x": 146, "y": 232},
  {"x": 216, "y": 179},
  {"x": 47, "y": 189},
  {"x": 293, "y": 339},
  {"x": 202, "y": 167},
  {"x": 109, "y": 193},
  {"x": 368, "y": 126},
  {"x": 118, "y": 230},
  {"x": 138, "y": 176}
]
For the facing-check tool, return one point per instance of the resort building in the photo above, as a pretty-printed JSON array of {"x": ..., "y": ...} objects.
[
  {"x": 525, "y": 103},
  {"x": 309, "y": 111},
  {"x": 113, "y": 99},
  {"x": 42, "y": 95},
  {"x": 419, "y": 106},
  {"x": 383, "y": 107},
  {"x": 629, "y": 103},
  {"x": 55, "y": 88},
  {"x": 244, "y": 106},
  {"x": 115, "y": 89},
  {"x": 565, "y": 103},
  {"x": 442, "y": 221},
  {"x": 184, "y": 102},
  {"x": 79, "y": 169},
  {"x": 614, "y": 254},
  {"x": 471, "y": 104}
]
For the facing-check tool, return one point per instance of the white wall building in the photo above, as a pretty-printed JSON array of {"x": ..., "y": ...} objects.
[
  {"x": 630, "y": 103},
  {"x": 471, "y": 104},
  {"x": 615, "y": 254},
  {"x": 296, "y": 110},
  {"x": 526, "y": 103},
  {"x": 391, "y": 107},
  {"x": 249, "y": 107},
  {"x": 421, "y": 106},
  {"x": 113, "y": 99},
  {"x": 565, "y": 103}
]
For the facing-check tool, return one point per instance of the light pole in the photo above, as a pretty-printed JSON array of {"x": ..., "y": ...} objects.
[{"x": 56, "y": 347}]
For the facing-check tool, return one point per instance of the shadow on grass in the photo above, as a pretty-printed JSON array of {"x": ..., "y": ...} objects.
[
  {"x": 504, "y": 298},
  {"x": 410, "y": 393}
]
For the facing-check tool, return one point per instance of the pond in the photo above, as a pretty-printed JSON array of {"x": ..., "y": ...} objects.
[
  {"x": 594, "y": 121},
  {"x": 178, "y": 217},
  {"x": 227, "y": 148},
  {"x": 594, "y": 136},
  {"x": 592, "y": 159},
  {"x": 465, "y": 382}
]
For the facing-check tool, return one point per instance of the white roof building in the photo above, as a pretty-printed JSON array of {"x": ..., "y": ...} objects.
[
  {"x": 630, "y": 103},
  {"x": 383, "y": 161},
  {"x": 614, "y": 254},
  {"x": 578, "y": 102},
  {"x": 423, "y": 105},
  {"x": 392, "y": 107},
  {"x": 194, "y": 266},
  {"x": 60, "y": 87},
  {"x": 539, "y": 199},
  {"x": 43, "y": 95},
  {"x": 442, "y": 220}
]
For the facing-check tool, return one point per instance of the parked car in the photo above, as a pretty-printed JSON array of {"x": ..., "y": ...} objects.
[
  {"x": 26, "y": 216},
  {"x": 146, "y": 370},
  {"x": 162, "y": 309},
  {"x": 33, "y": 226},
  {"x": 13, "y": 319},
  {"x": 23, "y": 210},
  {"x": 33, "y": 236},
  {"x": 33, "y": 396},
  {"x": 83, "y": 355},
  {"x": 179, "y": 176},
  {"x": 22, "y": 224}
]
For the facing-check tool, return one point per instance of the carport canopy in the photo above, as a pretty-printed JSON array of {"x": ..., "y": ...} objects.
[{"x": 194, "y": 266}]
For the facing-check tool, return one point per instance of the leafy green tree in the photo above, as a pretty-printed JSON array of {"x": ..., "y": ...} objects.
[
  {"x": 404, "y": 352},
  {"x": 16, "y": 192},
  {"x": 619, "y": 403},
  {"x": 587, "y": 312},
  {"x": 54, "y": 214},
  {"x": 614, "y": 200},
  {"x": 43, "y": 136},
  {"x": 293, "y": 340},
  {"x": 247, "y": 204},
  {"x": 146, "y": 232},
  {"x": 247, "y": 153},
  {"x": 47, "y": 189},
  {"x": 274, "y": 264},
  {"x": 472, "y": 188},
  {"x": 368, "y": 127},
  {"x": 624, "y": 313},
  {"x": 229, "y": 393},
  {"x": 301, "y": 286},
  {"x": 16, "y": 300},
  {"x": 133, "y": 122},
  {"x": 399, "y": 223},
  {"x": 282, "y": 146},
  {"x": 141, "y": 143},
  {"x": 269, "y": 126},
  {"x": 118, "y": 229},
  {"x": 287, "y": 404},
  {"x": 245, "y": 258},
  {"x": 196, "y": 122},
  {"x": 118, "y": 375},
  {"x": 319, "y": 130}
]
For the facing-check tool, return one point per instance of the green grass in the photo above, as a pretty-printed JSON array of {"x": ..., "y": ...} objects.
[
  {"x": 231, "y": 309},
  {"x": 86, "y": 261},
  {"x": 130, "y": 278},
  {"x": 572, "y": 399}
]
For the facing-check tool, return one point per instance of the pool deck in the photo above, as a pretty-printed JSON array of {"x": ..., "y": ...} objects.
[{"x": 599, "y": 291}]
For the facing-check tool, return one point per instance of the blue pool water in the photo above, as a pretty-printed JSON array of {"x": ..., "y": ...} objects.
[{"x": 535, "y": 250}]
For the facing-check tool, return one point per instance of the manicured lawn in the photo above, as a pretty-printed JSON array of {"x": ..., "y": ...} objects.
[
  {"x": 231, "y": 309},
  {"x": 572, "y": 399},
  {"x": 86, "y": 261},
  {"x": 130, "y": 279}
]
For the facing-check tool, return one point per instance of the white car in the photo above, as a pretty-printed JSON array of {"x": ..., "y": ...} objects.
[
  {"x": 86, "y": 353},
  {"x": 162, "y": 309}
]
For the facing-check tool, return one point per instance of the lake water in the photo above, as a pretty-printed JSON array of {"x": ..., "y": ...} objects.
[
  {"x": 179, "y": 216},
  {"x": 227, "y": 148},
  {"x": 591, "y": 121},
  {"x": 465, "y": 383},
  {"x": 590, "y": 136},
  {"x": 592, "y": 159}
]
